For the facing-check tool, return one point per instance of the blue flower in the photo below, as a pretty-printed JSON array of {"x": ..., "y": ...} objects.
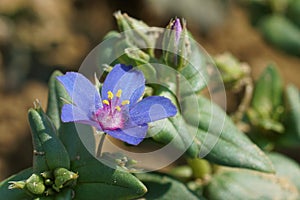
[{"x": 117, "y": 111}]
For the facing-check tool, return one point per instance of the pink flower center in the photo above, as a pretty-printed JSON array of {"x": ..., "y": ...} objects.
[{"x": 112, "y": 116}]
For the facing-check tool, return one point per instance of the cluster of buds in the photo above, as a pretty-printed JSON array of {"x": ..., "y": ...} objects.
[
  {"x": 46, "y": 183},
  {"x": 176, "y": 47}
]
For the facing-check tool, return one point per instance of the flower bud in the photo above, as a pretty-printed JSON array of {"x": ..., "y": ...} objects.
[
  {"x": 63, "y": 177},
  {"x": 48, "y": 181},
  {"x": 176, "y": 44},
  {"x": 16, "y": 184},
  {"x": 35, "y": 184},
  {"x": 47, "y": 175}
]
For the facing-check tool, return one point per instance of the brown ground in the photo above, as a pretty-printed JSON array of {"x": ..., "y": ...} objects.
[{"x": 236, "y": 36}]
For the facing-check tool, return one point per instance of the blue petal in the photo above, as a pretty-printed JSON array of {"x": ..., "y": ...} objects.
[
  {"x": 82, "y": 92},
  {"x": 151, "y": 109},
  {"x": 134, "y": 135},
  {"x": 71, "y": 113},
  {"x": 130, "y": 81}
]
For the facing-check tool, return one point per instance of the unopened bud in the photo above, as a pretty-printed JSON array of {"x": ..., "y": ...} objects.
[
  {"x": 16, "y": 184},
  {"x": 47, "y": 175},
  {"x": 63, "y": 177},
  {"x": 35, "y": 184},
  {"x": 176, "y": 44}
]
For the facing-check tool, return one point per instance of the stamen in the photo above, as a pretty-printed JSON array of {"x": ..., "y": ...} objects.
[
  {"x": 125, "y": 102},
  {"x": 105, "y": 102},
  {"x": 110, "y": 95},
  {"x": 118, "y": 108},
  {"x": 119, "y": 93}
]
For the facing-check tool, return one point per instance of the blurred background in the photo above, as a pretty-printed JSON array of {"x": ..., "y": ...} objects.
[{"x": 39, "y": 36}]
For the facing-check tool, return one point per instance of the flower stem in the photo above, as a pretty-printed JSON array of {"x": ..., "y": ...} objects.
[
  {"x": 178, "y": 87},
  {"x": 100, "y": 145}
]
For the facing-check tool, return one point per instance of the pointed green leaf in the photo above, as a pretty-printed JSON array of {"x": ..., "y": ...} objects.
[
  {"x": 98, "y": 181},
  {"x": 292, "y": 121},
  {"x": 267, "y": 95},
  {"x": 286, "y": 167},
  {"x": 76, "y": 139},
  {"x": 173, "y": 129},
  {"x": 162, "y": 187},
  {"x": 247, "y": 184},
  {"x": 281, "y": 32},
  {"x": 15, "y": 194},
  {"x": 65, "y": 194},
  {"x": 220, "y": 139},
  {"x": 293, "y": 11},
  {"x": 196, "y": 70},
  {"x": 48, "y": 148},
  {"x": 55, "y": 95}
]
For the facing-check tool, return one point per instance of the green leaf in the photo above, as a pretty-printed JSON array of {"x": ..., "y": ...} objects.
[
  {"x": 76, "y": 139},
  {"x": 293, "y": 12},
  {"x": 286, "y": 167},
  {"x": 98, "y": 181},
  {"x": 55, "y": 95},
  {"x": 267, "y": 95},
  {"x": 220, "y": 140},
  {"x": 281, "y": 32},
  {"x": 15, "y": 194},
  {"x": 162, "y": 187},
  {"x": 49, "y": 152},
  {"x": 174, "y": 130},
  {"x": 65, "y": 194},
  {"x": 292, "y": 121},
  {"x": 128, "y": 54},
  {"x": 241, "y": 184},
  {"x": 183, "y": 172},
  {"x": 196, "y": 70}
]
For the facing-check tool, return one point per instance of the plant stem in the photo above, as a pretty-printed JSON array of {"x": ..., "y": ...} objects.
[
  {"x": 100, "y": 145},
  {"x": 178, "y": 87}
]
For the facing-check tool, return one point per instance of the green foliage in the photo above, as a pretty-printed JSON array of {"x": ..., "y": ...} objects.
[
  {"x": 282, "y": 33},
  {"x": 266, "y": 106},
  {"x": 279, "y": 23},
  {"x": 162, "y": 187},
  {"x": 221, "y": 140},
  {"x": 286, "y": 168},
  {"x": 15, "y": 194},
  {"x": 292, "y": 112},
  {"x": 64, "y": 164},
  {"x": 241, "y": 184},
  {"x": 49, "y": 152}
]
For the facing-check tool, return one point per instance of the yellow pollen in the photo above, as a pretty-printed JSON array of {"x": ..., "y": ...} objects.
[
  {"x": 118, "y": 108},
  {"x": 110, "y": 95},
  {"x": 119, "y": 93},
  {"x": 105, "y": 102},
  {"x": 125, "y": 102}
]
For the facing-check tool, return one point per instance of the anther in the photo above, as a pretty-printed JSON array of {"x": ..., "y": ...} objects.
[
  {"x": 110, "y": 95},
  {"x": 119, "y": 93},
  {"x": 125, "y": 102},
  {"x": 105, "y": 102}
]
